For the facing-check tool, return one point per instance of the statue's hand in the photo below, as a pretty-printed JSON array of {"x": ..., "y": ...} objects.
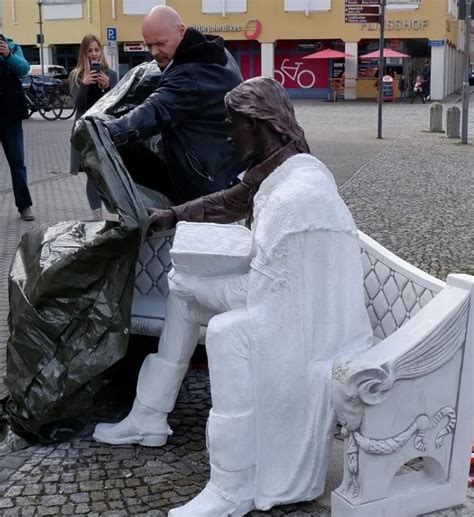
[
  {"x": 160, "y": 219},
  {"x": 183, "y": 286}
]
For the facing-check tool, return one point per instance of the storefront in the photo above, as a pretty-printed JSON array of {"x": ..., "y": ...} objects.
[
  {"x": 272, "y": 42},
  {"x": 418, "y": 63}
]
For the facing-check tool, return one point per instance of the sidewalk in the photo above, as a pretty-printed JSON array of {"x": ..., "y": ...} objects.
[{"x": 411, "y": 191}]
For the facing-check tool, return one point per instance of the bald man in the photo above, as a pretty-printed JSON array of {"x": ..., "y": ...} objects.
[{"x": 187, "y": 109}]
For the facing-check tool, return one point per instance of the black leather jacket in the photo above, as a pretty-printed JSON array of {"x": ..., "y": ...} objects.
[{"x": 187, "y": 108}]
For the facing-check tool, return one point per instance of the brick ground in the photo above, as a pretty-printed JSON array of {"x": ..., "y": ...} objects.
[{"x": 411, "y": 191}]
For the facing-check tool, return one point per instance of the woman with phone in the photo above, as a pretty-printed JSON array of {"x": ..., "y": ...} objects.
[{"x": 88, "y": 82}]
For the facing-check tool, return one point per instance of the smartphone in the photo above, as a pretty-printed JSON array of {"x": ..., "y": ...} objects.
[{"x": 96, "y": 67}]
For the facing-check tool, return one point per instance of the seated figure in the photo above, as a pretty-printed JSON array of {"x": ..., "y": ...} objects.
[{"x": 274, "y": 331}]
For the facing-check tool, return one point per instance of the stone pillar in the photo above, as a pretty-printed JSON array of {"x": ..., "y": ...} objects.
[
  {"x": 437, "y": 73},
  {"x": 351, "y": 71},
  {"x": 453, "y": 122},
  {"x": 268, "y": 59},
  {"x": 436, "y": 118}
]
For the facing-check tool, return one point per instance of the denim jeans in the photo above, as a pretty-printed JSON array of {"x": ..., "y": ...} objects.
[{"x": 11, "y": 136}]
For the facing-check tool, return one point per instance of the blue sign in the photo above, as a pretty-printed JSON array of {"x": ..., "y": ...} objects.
[
  {"x": 111, "y": 33},
  {"x": 436, "y": 43}
]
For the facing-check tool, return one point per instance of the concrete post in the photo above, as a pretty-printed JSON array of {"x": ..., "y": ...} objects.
[
  {"x": 453, "y": 122},
  {"x": 436, "y": 118}
]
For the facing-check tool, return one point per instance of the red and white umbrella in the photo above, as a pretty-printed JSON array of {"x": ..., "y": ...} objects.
[{"x": 387, "y": 52}]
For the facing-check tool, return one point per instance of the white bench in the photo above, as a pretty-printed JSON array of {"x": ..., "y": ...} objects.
[{"x": 409, "y": 396}]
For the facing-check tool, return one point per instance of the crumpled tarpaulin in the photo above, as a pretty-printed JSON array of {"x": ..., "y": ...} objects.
[{"x": 71, "y": 285}]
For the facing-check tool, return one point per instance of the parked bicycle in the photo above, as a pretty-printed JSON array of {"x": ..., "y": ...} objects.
[
  {"x": 69, "y": 108},
  {"x": 47, "y": 103}
]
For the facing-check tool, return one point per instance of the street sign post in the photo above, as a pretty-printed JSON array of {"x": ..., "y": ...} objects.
[
  {"x": 466, "y": 91},
  {"x": 361, "y": 11}
]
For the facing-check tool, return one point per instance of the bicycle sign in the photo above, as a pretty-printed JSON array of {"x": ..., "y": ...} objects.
[{"x": 303, "y": 78}]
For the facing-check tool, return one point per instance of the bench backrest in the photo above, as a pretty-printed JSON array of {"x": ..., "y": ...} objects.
[{"x": 394, "y": 289}]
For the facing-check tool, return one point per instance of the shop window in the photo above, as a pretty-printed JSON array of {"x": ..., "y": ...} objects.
[
  {"x": 307, "y": 6},
  {"x": 62, "y": 9},
  {"x": 224, "y": 6},
  {"x": 140, "y": 6}
]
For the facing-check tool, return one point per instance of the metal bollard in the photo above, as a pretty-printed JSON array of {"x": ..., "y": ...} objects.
[
  {"x": 436, "y": 118},
  {"x": 453, "y": 122}
]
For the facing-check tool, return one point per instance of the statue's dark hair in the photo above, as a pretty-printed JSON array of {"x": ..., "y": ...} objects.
[{"x": 262, "y": 98}]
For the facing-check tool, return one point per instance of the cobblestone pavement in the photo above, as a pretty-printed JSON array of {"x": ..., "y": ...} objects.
[{"x": 411, "y": 191}]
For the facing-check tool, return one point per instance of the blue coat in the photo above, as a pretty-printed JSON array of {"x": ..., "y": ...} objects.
[{"x": 12, "y": 99}]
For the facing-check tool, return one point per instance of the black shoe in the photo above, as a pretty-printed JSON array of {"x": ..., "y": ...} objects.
[{"x": 27, "y": 215}]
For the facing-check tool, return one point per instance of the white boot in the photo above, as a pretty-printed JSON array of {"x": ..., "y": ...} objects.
[
  {"x": 143, "y": 426},
  {"x": 157, "y": 388},
  {"x": 213, "y": 503}
]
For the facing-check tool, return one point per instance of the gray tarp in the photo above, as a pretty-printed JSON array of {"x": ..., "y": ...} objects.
[{"x": 71, "y": 284}]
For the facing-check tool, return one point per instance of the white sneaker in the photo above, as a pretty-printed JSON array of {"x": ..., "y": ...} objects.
[
  {"x": 143, "y": 426},
  {"x": 210, "y": 503}
]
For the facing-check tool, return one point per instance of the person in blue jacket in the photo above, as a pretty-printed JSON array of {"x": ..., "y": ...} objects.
[{"x": 12, "y": 110}]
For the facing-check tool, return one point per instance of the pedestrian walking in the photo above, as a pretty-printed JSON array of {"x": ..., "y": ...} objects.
[
  {"x": 88, "y": 82},
  {"x": 418, "y": 89},
  {"x": 402, "y": 86},
  {"x": 13, "y": 109}
]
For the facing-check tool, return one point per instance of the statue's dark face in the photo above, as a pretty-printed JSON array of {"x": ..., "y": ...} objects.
[{"x": 241, "y": 131}]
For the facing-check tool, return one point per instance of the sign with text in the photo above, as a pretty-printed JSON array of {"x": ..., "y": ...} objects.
[
  {"x": 361, "y": 11},
  {"x": 361, "y": 18},
  {"x": 362, "y": 2},
  {"x": 113, "y": 48}
]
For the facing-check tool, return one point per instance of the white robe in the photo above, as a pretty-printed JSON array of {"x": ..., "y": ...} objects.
[{"x": 305, "y": 306}]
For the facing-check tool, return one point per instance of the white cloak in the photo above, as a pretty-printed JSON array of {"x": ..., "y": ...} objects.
[{"x": 306, "y": 307}]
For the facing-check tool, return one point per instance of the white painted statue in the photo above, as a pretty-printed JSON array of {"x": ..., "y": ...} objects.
[{"x": 280, "y": 325}]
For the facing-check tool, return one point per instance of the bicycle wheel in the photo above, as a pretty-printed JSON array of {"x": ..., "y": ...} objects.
[
  {"x": 51, "y": 106},
  {"x": 68, "y": 106}
]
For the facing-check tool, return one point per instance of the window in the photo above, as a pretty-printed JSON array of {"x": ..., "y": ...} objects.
[
  {"x": 62, "y": 9},
  {"x": 306, "y": 6},
  {"x": 140, "y": 6},
  {"x": 224, "y": 6}
]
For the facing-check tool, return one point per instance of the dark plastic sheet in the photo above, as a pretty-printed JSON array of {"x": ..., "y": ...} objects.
[{"x": 71, "y": 285}]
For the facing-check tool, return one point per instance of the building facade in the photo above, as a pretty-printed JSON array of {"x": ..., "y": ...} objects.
[{"x": 269, "y": 37}]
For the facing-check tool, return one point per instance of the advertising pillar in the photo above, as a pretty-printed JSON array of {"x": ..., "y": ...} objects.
[
  {"x": 437, "y": 72},
  {"x": 351, "y": 71}
]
